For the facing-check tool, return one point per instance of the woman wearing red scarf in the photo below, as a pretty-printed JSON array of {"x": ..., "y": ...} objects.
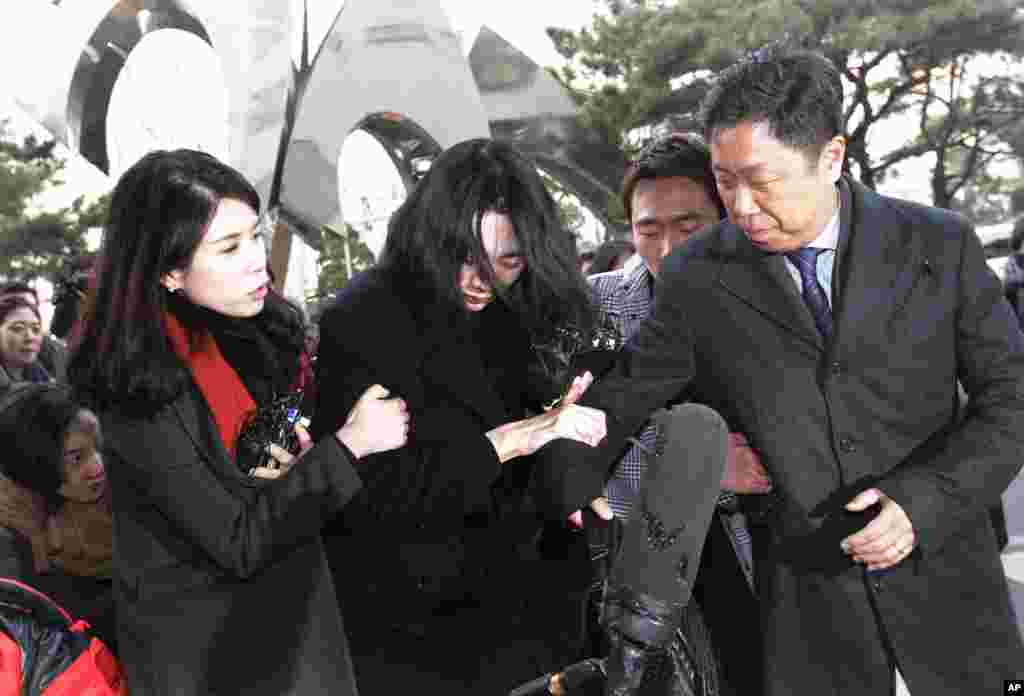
[{"x": 220, "y": 579}]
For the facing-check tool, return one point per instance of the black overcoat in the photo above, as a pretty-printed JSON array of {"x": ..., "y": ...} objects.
[
  {"x": 438, "y": 542},
  {"x": 222, "y": 586},
  {"x": 916, "y": 309},
  {"x": 380, "y": 331}
]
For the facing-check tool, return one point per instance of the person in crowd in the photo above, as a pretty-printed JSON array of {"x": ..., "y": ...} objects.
[
  {"x": 221, "y": 584},
  {"x": 69, "y": 294},
  {"x": 21, "y": 335},
  {"x": 669, "y": 193},
  {"x": 53, "y": 356},
  {"x": 611, "y": 256},
  {"x": 1013, "y": 275},
  {"x": 831, "y": 325},
  {"x": 55, "y": 507},
  {"x": 476, "y": 276}
]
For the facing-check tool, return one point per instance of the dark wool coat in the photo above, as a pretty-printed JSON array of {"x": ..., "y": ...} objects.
[
  {"x": 419, "y": 497},
  {"x": 221, "y": 582},
  {"x": 916, "y": 309},
  {"x": 434, "y": 544}
]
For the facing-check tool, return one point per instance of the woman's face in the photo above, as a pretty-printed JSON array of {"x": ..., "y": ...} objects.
[
  {"x": 85, "y": 478},
  {"x": 499, "y": 241},
  {"x": 21, "y": 335},
  {"x": 228, "y": 272}
]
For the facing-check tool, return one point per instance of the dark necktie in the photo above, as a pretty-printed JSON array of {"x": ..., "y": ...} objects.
[{"x": 806, "y": 261}]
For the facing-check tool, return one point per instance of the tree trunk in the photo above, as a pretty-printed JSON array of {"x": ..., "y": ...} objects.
[{"x": 940, "y": 189}]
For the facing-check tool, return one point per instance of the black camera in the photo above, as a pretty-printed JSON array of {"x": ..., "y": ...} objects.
[{"x": 272, "y": 424}]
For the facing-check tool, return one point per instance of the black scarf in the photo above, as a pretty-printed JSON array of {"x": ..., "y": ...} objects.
[{"x": 265, "y": 360}]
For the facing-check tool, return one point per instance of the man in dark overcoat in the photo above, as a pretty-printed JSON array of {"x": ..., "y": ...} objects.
[{"x": 831, "y": 325}]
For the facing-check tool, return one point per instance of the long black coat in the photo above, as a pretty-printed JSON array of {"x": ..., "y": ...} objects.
[
  {"x": 430, "y": 545},
  {"x": 221, "y": 582},
  {"x": 916, "y": 308}
]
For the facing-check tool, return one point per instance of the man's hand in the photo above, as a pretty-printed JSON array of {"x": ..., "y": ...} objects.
[
  {"x": 599, "y": 505},
  {"x": 743, "y": 470},
  {"x": 887, "y": 539}
]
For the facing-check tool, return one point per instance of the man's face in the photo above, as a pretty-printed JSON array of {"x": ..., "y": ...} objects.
[
  {"x": 667, "y": 210},
  {"x": 772, "y": 192}
]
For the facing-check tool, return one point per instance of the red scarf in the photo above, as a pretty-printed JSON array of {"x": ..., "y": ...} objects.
[{"x": 227, "y": 398}]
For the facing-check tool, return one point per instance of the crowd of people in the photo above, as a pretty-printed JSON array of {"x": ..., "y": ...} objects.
[{"x": 439, "y": 504}]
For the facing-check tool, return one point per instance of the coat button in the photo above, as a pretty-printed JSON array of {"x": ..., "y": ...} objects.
[{"x": 847, "y": 445}]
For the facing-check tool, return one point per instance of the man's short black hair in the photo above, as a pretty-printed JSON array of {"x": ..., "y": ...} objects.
[
  {"x": 677, "y": 154},
  {"x": 798, "y": 93}
]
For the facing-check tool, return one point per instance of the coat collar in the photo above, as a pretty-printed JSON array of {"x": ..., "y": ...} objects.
[
  {"x": 876, "y": 270},
  {"x": 761, "y": 280}
]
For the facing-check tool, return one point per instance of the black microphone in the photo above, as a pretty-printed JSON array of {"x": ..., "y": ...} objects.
[
  {"x": 650, "y": 581},
  {"x": 652, "y": 577}
]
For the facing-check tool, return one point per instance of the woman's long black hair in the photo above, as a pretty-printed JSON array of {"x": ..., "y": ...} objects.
[
  {"x": 160, "y": 209},
  {"x": 438, "y": 227}
]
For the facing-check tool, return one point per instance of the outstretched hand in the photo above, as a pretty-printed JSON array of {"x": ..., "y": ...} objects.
[{"x": 570, "y": 420}]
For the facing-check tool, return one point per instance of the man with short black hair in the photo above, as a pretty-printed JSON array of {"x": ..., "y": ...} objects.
[{"x": 832, "y": 325}]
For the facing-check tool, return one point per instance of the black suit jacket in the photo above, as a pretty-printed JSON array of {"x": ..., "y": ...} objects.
[
  {"x": 916, "y": 308},
  {"x": 221, "y": 582}
]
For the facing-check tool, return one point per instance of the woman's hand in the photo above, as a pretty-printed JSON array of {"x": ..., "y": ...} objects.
[
  {"x": 283, "y": 457},
  {"x": 580, "y": 423},
  {"x": 375, "y": 424}
]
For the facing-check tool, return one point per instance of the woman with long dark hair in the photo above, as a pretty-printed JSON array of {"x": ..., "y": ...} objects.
[
  {"x": 220, "y": 579},
  {"x": 476, "y": 291}
]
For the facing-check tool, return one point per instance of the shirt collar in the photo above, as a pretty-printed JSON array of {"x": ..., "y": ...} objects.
[
  {"x": 829, "y": 237},
  {"x": 636, "y": 275}
]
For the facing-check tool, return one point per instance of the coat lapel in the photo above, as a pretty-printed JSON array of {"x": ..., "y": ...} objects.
[
  {"x": 880, "y": 261},
  {"x": 211, "y": 448},
  {"x": 762, "y": 281}
]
